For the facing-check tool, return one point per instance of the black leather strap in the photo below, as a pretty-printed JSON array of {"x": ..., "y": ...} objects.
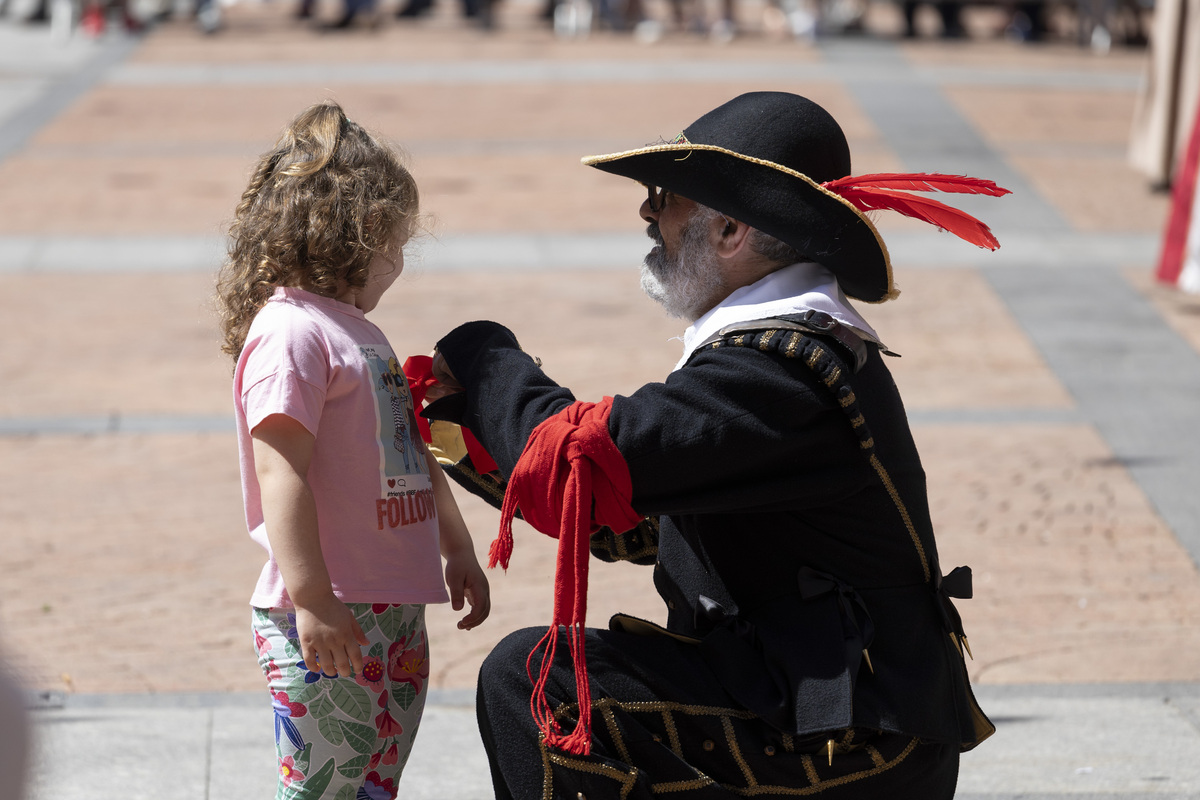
[{"x": 810, "y": 321}]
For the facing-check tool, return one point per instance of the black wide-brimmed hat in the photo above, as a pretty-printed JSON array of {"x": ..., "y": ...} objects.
[{"x": 780, "y": 163}]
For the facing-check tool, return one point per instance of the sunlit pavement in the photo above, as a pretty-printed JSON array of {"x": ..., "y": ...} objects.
[{"x": 1051, "y": 384}]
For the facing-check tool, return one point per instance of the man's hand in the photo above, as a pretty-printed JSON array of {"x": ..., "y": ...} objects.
[
  {"x": 331, "y": 639},
  {"x": 446, "y": 382}
]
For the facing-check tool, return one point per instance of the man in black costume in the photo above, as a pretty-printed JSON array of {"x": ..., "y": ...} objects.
[{"x": 811, "y": 646}]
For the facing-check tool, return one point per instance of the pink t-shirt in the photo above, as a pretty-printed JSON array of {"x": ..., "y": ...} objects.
[{"x": 320, "y": 362}]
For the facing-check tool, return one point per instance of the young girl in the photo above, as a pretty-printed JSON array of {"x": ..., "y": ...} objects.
[{"x": 354, "y": 513}]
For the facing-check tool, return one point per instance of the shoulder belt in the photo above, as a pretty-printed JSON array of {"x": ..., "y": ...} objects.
[{"x": 808, "y": 322}]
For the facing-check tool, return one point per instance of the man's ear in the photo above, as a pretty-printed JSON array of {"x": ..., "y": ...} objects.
[{"x": 732, "y": 237}]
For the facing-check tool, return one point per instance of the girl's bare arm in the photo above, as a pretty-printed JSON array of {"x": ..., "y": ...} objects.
[
  {"x": 464, "y": 576},
  {"x": 329, "y": 634}
]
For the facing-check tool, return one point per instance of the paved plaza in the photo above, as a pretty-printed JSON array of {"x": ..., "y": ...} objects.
[{"x": 1052, "y": 386}]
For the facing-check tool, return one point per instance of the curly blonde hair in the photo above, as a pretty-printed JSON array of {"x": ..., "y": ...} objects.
[{"x": 320, "y": 206}]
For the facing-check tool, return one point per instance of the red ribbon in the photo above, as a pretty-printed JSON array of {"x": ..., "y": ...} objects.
[{"x": 419, "y": 372}]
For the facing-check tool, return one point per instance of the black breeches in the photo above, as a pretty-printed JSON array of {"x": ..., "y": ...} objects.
[{"x": 662, "y": 724}]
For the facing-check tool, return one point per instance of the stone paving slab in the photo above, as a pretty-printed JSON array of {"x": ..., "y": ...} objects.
[
  {"x": 1071, "y": 145},
  {"x": 1132, "y": 376},
  {"x": 1009, "y": 116},
  {"x": 1180, "y": 311},
  {"x": 1093, "y": 188},
  {"x": 57, "y": 74},
  {"x": 1077, "y": 579},
  {"x": 1085, "y": 744},
  {"x": 1042, "y": 65},
  {"x": 221, "y": 747},
  {"x": 150, "y": 347}
]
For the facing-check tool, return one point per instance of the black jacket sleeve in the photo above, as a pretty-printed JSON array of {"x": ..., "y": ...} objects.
[{"x": 732, "y": 430}]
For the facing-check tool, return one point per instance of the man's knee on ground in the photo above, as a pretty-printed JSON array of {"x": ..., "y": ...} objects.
[{"x": 504, "y": 670}]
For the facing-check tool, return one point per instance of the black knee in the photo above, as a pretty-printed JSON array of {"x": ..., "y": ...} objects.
[{"x": 503, "y": 672}]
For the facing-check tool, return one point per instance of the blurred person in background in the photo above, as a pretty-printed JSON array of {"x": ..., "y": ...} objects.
[
  {"x": 95, "y": 16},
  {"x": 478, "y": 10},
  {"x": 1170, "y": 93},
  {"x": 949, "y": 11}
]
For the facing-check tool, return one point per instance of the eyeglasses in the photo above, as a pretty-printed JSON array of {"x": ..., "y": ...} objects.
[{"x": 656, "y": 197}]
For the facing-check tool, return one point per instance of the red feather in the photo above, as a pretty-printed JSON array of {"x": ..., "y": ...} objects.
[
  {"x": 918, "y": 182},
  {"x": 960, "y": 223}
]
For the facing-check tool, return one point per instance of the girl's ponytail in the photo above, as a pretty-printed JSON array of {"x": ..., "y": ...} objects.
[
  {"x": 314, "y": 138},
  {"x": 317, "y": 209}
]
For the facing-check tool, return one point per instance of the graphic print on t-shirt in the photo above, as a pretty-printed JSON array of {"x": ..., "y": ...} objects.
[{"x": 406, "y": 492}]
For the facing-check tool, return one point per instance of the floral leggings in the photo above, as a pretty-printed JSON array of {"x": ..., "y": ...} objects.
[{"x": 345, "y": 738}]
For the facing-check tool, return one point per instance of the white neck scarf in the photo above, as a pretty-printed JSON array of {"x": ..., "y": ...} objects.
[{"x": 791, "y": 290}]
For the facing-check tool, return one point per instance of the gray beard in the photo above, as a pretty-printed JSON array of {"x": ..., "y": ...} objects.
[{"x": 688, "y": 282}]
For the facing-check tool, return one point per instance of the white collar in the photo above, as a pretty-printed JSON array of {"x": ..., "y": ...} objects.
[{"x": 791, "y": 290}]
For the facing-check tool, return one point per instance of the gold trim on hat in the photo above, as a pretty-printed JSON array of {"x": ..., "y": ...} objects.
[{"x": 892, "y": 291}]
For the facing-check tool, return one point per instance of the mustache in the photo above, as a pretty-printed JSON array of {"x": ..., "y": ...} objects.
[{"x": 654, "y": 233}]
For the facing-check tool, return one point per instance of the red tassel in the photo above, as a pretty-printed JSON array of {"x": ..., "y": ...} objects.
[
  {"x": 579, "y": 740},
  {"x": 500, "y": 551},
  {"x": 877, "y": 192},
  {"x": 570, "y": 480}
]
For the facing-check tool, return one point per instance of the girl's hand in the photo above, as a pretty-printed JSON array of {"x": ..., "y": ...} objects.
[
  {"x": 466, "y": 580},
  {"x": 331, "y": 639},
  {"x": 464, "y": 576}
]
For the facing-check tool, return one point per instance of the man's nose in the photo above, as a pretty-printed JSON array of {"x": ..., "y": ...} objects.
[{"x": 647, "y": 214}]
